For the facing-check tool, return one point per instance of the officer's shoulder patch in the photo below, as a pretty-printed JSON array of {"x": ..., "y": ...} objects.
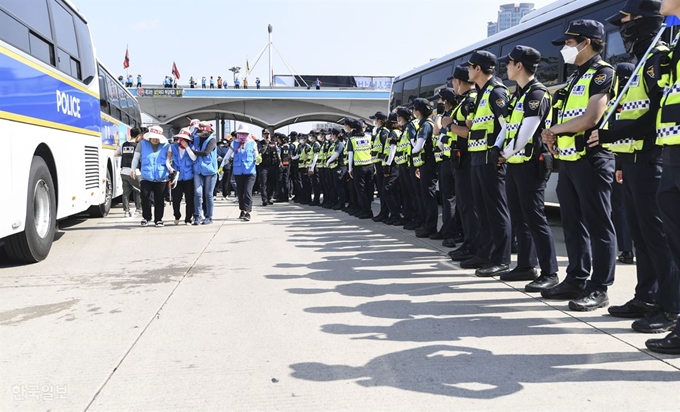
[
  {"x": 533, "y": 104},
  {"x": 650, "y": 72},
  {"x": 500, "y": 102},
  {"x": 600, "y": 79}
]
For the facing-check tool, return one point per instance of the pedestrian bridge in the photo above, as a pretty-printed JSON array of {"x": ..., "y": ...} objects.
[{"x": 267, "y": 108}]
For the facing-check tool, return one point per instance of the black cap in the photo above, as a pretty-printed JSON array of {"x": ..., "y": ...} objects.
[
  {"x": 323, "y": 131},
  {"x": 448, "y": 94},
  {"x": 392, "y": 117},
  {"x": 293, "y": 134},
  {"x": 353, "y": 123},
  {"x": 591, "y": 29},
  {"x": 379, "y": 116},
  {"x": 483, "y": 58},
  {"x": 335, "y": 131},
  {"x": 462, "y": 73},
  {"x": 526, "y": 55},
  {"x": 644, "y": 8},
  {"x": 624, "y": 70},
  {"x": 403, "y": 112},
  {"x": 422, "y": 105}
]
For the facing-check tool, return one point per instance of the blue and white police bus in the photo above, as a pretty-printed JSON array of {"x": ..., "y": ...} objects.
[
  {"x": 51, "y": 158},
  {"x": 536, "y": 30}
]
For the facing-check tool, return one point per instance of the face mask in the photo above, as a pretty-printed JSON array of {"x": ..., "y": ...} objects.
[
  {"x": 569, "y": 53},
  {"x": 636, "y": 34},
  {"x": 441, "y": 108}
]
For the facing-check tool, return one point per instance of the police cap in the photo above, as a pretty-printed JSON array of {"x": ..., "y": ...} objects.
[
  {"x": 353, "y": 123},
  {"x": 462, "y": 73},
  {"x": 644, "y": 8},
  {"x": 379, "y": 116},
  {"x": 484, "y": 59},
  {"x": 591, "y": 29},
  {"x": 448, "y": 94},
  {"x": 526, "y": 55},
  {"x": 335, "y": 131},
  {"x": 392, "y": 117},
  {"x": 403, "y": 112},
  {"x": 422, "y": 105}
]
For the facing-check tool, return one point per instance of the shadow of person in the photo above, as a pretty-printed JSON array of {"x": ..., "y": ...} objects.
[{"x": 466, "y": 372}]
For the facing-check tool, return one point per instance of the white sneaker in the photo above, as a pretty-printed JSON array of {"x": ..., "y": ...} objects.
[{"x": 176, "y": 222}]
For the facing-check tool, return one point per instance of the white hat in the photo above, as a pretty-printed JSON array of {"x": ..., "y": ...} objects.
[
  {"x": 194, "y": 122},
  {"x": 242, "y": 129},
  {"x": 184, "y": 133},
  {"x": 156, "y": 132}
]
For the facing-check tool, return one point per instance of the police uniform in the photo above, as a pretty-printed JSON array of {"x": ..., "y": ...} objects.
[
  {"x": 425, "y": 163},
  {"x": 584, "y": 185},
  {"x": 130, "y": 185},
  {"x": 337, "y": 169},
  {"x": 460, "y": 158},
  {"x": 377, "y": 149},
  {"x": 526, "y": 177},
  {"x": 488, "y": 180},
  {"x": 446, "y": 173},
  {"x": 315, "y": 150},
  {"x": 668, "y": 197},
  {"x": 269, "y": 168},
  {"x": 390, "y": 192},
  {"x": 362, "y": 168},
  {"x": 409, "y": 205},
  {"x": 306, "y": 158},
  {"x": 296, "y": 181},
  {"x": 282, "y": 184},
  {"x": 632, "y": 134}
]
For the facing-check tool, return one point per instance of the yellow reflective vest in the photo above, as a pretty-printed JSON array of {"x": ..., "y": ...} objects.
[
  {"x": 515, "y": 123},
  {"x": 362, "y": 150},
  {"x": 377, "y": 147},
  {"x": 388, "y": 146},
  {"x": 404, "y": 146},
  {"x": 483, "y": 130},
  {"x": 418, "y": 159},
  {"x": 668, "y": 119}
]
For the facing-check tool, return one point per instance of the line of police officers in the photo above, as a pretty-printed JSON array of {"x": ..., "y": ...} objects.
[{"x": 491, "y": 152}]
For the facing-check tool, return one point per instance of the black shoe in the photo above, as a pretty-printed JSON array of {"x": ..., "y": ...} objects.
[
  {"x": 412, "y": 225},
  {"x": 475, "y": 262},
  {"x": 461, "y": 255},
  {"x": 264, "y": 203},
  {"x": 492, "y": 269},
  {"x": 626, "y": 257},
  {"x": 242, "y": 215},
  {"x": 513, "y": 247},
  {"x": 365, "y": 215},
  {"x": 670, "y": 344},
  {"x": 590, "y": 299},
  {"x": 353, "y": 212},
  {"x": 542, "y": 282},
  {"x": 459, "y": 238},
  {"x": 337, "y": 207},
  {"x": 437, "y": 236},
  {"x": 658, "y": 322},
  {"x": 450, "y": 242},
  {"x": 314, "y": 203},
  {"x": 519, "y": 273},
  {"x": 398, "y": 222},
  {"x": 563, "y": 291},
  {"x": 246, "y": 217},
  {"x": 270, "y": 202},
  {"x": 423, "y": 232},
  {"x": 634, "y": 308},
  {"x": 379, "y": 218}
]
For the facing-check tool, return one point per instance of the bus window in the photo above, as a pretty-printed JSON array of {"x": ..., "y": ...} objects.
[
  {"x": 13, "y": 32},
  {"x": 88, "y": 71},
  {"x": 615, "y": 52},
  {"x": 397, "y": 96},
  {"x": 434, "y": 80},
  {"x": 411, "y": 90},
  {"x": 34, "y": 16},
  {"x": 541, "y": 40},
  {"x": 41, "y": 49},
  {"x": 64, "y": 29}
]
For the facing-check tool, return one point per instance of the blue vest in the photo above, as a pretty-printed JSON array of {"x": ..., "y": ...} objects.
[
  {"x": 244, "y": 161},
  {"x": 203, "y": 82},
  {"x": 205, "y": 165},
  {"x": 139, "y": 79},
  {"x": 153, "y": 163},
  {"x": 185, "y": 165}
]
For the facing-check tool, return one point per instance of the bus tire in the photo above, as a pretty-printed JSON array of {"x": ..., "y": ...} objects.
[
  {"x": 34, "y": 243},
  {"x": 104, "y": 209}
]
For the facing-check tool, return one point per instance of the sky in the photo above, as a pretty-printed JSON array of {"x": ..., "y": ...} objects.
[{"x": 316, "y": 37}]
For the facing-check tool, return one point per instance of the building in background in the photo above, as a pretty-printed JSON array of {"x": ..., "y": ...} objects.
[{"x": 509, "y": 15}]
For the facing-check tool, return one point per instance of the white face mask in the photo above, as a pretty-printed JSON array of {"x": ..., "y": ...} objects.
[
  {"x": 569, "y": 53},
  {"x": 401, "y": 123}
]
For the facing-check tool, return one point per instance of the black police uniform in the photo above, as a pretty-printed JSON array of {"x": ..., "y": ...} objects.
[
  {"x": 363, "y": 177},
  {"x": 315, "y": 177},
  {"x": 282, "y": 182},
  {"x": 390, "y": 193},
  {"x": 447, "y": 180},
  {"x": 268, "y": 171}
]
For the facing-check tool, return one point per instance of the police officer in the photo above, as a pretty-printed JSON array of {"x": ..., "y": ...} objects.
[
  {"x": 328, "y": 173},
  {"x": 305, "y": 153},
  {"x": 282, "y": 183},
  {"x": 296, "y": 181},
  {"x": 378, "y": 143},
  {"x": 312, "y": 172},
  {"x": 361, "y": 167},
  {"x": 409, "y": 202},
  {"x": 390, "y": 190},
  {"x": 488, "y": 179},
  {"x": 338, "y": 169},
  {"x": 269, "y": 166},
  {"x": 458, "y": 132},
  {"x": 126, "y": 152},
  {"x": 586, "y": 174},
  {"x": 668, "y": 198},
  {"x": 447, "y": 182},
  {"x": 426, "y": 167},
  {"x": 352, "y": 207},
  {"x": 632, "y": 135},
  {"x": 527, "y": 172},
  {"x": 321, "y": 167}
]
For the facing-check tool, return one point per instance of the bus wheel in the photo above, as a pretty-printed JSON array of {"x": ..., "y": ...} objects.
[
  {"x": 34, "y": 243},
  {"x": 104, "y": 209}
]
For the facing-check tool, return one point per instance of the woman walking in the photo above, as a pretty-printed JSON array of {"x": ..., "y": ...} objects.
[{"x": 245, "y": 158}]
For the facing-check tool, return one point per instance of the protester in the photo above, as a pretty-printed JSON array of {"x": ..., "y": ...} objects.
[{"x": 245, "y": 159}]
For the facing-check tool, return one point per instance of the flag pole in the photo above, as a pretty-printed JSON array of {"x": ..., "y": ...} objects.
[{"x": 640, "y": 64}]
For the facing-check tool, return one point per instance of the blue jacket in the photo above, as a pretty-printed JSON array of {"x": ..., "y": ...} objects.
[
  {"x": 185, "y": 166},
  {"x": 205, "y": 165},
  {"x": 153, "y": 163},
  {"x": 244, "y": 161}
]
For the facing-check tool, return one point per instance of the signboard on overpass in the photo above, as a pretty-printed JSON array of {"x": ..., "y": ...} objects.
[{"x": 142, "y": 92}]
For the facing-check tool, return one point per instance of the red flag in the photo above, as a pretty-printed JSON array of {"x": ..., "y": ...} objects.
[
  {"x": 175, "y": 72},
  {"x": 126, "y": 62}
]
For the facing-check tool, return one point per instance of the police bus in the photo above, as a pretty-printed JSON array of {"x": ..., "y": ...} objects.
[
  {"x": 51, "y": 162},
  {"x": 536, "y": 30}
]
